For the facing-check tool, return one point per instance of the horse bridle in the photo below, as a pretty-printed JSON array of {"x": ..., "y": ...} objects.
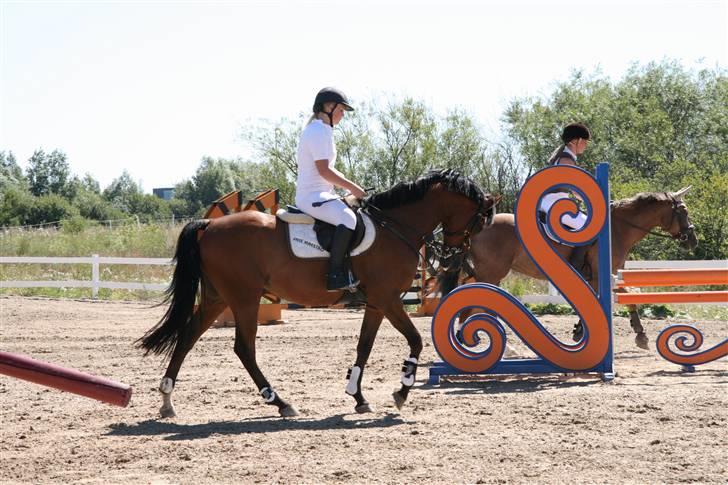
[
  {"x": 682, "y": 234},
  {"x": 445, "y": 252},
  {"x": 439, "y": 250}
]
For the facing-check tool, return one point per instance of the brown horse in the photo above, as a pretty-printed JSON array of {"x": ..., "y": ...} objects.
[
  {"x": 233, "y": 260},
  {"x": 497, "y": 250}
]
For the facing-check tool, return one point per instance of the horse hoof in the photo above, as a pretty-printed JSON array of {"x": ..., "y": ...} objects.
[
  {"x": 167, "y": 412},
  {"x": 363, "y": 408},
  {"x": 288, "y": 411},
  {"x": 641, "y": 341},
  {"x": 398, "y": 399}
]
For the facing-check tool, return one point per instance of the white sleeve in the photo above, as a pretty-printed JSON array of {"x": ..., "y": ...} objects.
[{"x": 321, "y": 145}]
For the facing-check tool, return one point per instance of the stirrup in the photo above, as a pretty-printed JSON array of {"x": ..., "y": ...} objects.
[{"x": 343, "y": 281}]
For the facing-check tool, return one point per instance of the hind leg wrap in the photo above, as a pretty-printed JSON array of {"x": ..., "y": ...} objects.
[
  {"x": 269, "y": 396},
  {"x": 353, "y": 387},
  {"x": 272, "y": 398}
]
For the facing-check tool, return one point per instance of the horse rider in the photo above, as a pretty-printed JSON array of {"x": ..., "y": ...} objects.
[
  {"x": 575, "y": 138},
  {"x": 317, "y": 179}
]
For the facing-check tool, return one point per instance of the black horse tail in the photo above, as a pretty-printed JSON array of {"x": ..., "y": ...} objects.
[{"x": 175, "y": 324}]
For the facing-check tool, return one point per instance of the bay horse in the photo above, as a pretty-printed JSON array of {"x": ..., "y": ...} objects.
[
  {"x": 497, "y": 250},
  {"x": 234, "y": 259}
]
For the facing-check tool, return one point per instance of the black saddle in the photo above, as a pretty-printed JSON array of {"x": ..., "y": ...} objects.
[{"x": 325, "y": 231}]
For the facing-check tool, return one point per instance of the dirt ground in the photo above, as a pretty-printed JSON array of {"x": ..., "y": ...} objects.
[{"x": 654, "y": 424}]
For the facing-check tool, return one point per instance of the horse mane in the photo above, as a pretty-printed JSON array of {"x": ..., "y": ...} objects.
[
  {"x": 408, "y": 192},
  {"x": 639, "y": 201}
]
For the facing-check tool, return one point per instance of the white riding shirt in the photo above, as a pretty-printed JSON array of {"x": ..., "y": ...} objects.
[{"x": 317, "y": 143}]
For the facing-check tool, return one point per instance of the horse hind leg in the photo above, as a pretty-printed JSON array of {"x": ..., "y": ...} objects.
[
  {"x": 210, "y": 307},
  {"x": 246, "y": 329}
]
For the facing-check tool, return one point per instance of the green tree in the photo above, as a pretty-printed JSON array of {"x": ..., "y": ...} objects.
[
  {"x": 48, "y": 173},
  {"x": 92, "y": 205},
  {"x": 16, "y": 203},
  {"x": 121, "y": 190},
  {"x": 213, "y": 179},
  {"x": 405, "y": 143},
  {"x": 10, "y": 172},
  {"x": 50, "y": 208},
  {"x": 149, "y": 208},
  {"x": 275, "y": 145}
]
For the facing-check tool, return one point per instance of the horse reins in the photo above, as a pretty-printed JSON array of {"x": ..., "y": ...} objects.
[
  {"x": 439, "y": 250},
  {"x": 390, "y": 224}
]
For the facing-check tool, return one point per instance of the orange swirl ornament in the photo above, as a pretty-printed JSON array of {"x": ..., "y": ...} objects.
[
  {"x": 498, "y": 306},
  {"x": 688, "y": 343}
]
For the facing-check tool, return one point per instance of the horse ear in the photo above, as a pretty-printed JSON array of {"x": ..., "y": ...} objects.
[
  {"x": 683, "y": 191},
  {"x": 497, "y": 199}
]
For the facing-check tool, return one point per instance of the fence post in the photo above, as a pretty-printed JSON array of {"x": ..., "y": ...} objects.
[{"x": 94, "y": 275}]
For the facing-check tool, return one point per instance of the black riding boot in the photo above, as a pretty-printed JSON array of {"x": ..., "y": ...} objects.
[
  {"x": 578, "y": 258},
  {"x": 339, "y": 276}
]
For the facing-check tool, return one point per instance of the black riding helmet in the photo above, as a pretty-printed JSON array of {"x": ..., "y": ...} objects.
[
  {"x": 573, "y": 131},
  {"x": 330, "y": 95}
]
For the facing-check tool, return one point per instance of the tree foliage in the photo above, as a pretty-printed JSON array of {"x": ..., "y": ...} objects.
[{"x": 48, "y": 173}]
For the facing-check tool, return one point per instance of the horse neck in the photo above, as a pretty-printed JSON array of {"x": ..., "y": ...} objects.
[
  {"x": 646, "y": 218},
  {"x": 421, "y": 216}
]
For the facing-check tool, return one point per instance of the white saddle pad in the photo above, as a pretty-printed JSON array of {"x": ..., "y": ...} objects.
[{"x": 304, "y": 243}]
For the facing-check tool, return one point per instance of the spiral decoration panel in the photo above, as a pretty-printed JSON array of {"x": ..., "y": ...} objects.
[{"x": 497, "y": 307}]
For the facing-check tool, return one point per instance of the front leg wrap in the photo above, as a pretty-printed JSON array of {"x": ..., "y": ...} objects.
[{"x": 409, "y": 370}]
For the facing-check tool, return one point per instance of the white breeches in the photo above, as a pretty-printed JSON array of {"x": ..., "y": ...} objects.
[
  {"x": 575, "y": 223},
  {"x": 335, "y": 212}
]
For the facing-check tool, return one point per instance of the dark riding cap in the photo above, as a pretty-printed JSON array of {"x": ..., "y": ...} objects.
[
  {"x": 330, "y": 95},
  {"x": 573, "y": 131}
]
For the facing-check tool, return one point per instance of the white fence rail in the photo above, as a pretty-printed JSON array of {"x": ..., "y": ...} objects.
[{"x": 95, "y": 283}]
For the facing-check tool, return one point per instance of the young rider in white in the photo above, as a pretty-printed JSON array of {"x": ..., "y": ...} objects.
[
  {"x": 317, "y": 179},
  {"x": 576, "y": 137}
]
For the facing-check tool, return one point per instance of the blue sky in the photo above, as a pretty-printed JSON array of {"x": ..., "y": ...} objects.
[{"x": 152, "y": 87}]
